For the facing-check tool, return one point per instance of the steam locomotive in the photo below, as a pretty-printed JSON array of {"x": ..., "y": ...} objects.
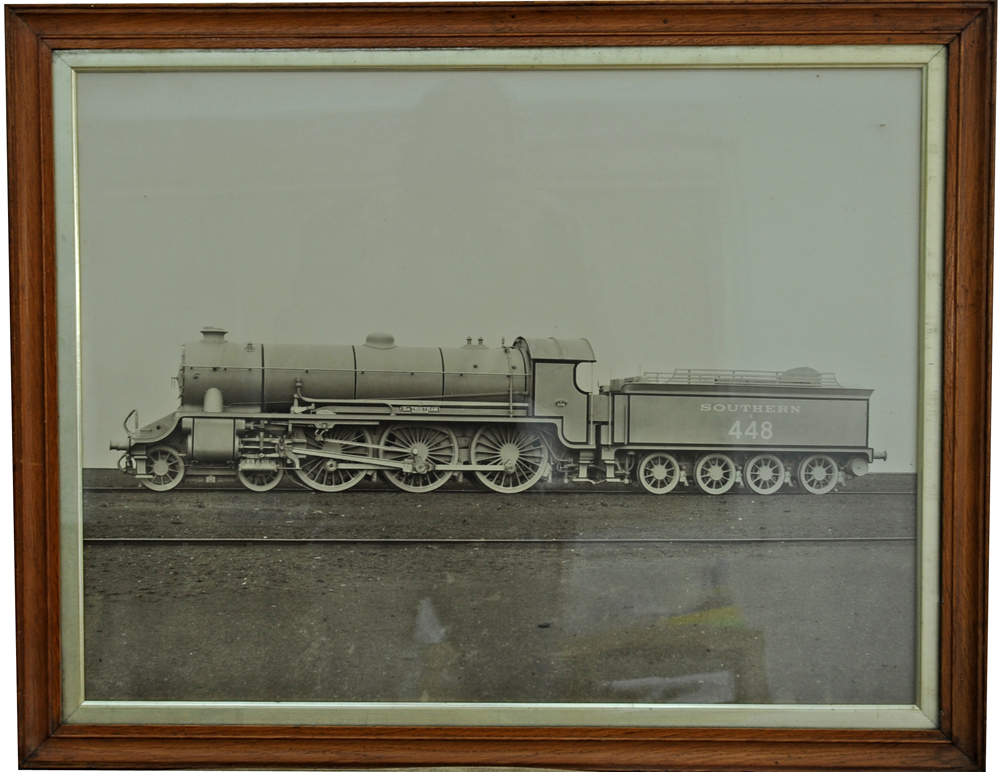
[{"x": 507, "y": 417}]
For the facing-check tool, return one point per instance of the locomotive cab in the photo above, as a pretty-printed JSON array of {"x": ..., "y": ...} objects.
[{"x": 553, "y": 364}]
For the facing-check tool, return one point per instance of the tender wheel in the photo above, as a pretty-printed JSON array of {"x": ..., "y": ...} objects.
[
  {"x": 166, "y": 466},
  {"x": 818, "y": 474},
  {"x": 326, "y": 474},
  {"x": 519, "y": 450},
  {"x": 658, "y": 473},
  {"x": 715, "y": 473},
  {"x": 427, "y": 446},
  {"x": 764, "y": 474},
  {"x": 260, "y": 480}
]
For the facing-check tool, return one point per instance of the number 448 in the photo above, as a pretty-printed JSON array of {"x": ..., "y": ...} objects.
[{"x": 766, "y": 430}]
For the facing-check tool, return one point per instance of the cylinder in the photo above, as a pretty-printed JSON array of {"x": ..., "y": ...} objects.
[{"x": 212, "y": 440}]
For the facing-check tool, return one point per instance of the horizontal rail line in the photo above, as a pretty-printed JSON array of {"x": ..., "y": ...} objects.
[
  {"x": 383, "y": 491},
  {"x": 375, "y": 540}
]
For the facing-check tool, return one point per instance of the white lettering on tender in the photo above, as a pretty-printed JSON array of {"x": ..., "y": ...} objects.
[
  {"x": 766, "y": 430},
  {"x": 745, "y": 407}
]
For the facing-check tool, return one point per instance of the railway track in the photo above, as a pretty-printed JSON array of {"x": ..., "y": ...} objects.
[
  {"x": 459, "y": 491},
  {"x": 638, "y": 540}
]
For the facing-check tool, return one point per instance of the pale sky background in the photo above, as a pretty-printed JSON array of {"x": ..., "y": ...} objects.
[{"x": 733, "y": 219}]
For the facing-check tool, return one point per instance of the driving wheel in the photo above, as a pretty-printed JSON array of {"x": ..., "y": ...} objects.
[
  {"x": 322, "y": 473},
  {"x": 520, "y": 450},
  {"x": 427, "y": 447}
]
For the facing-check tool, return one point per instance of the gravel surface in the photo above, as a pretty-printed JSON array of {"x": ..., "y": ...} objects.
[
  {"x": 472, "y": 515},
  {"x": 579, "y": 620}
]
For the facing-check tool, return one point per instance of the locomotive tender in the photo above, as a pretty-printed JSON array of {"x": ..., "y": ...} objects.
[{"x": 508, "y": 417}]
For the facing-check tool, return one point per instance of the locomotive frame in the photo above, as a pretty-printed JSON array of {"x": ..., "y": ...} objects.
[
  {"x": 508, "y": 417},
  {"x": 968, "y": 30}
]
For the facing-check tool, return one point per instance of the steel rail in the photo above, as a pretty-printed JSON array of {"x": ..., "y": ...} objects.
[
  {"x": 378, "y": 540},
  {"x": 384, "y": 491}
]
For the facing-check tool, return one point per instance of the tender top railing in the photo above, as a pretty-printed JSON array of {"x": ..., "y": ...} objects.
[{"x": 803, "y": 376}]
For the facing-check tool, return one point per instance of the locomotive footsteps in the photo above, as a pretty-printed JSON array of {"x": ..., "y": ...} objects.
[{"x": 506, "y": 418}]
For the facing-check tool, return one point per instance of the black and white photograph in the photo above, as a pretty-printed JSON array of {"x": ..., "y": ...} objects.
[
  {"x": 555, "y": 384},
  {"x": 502, "y": 385}
]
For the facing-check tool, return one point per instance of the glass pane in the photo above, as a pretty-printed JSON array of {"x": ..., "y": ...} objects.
[{"x": 739, "y": 251}]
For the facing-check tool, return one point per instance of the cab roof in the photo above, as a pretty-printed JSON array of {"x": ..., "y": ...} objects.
[{"x": 557, "y": 349}]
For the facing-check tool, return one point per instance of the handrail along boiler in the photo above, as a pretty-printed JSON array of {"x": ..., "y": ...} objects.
[{"x": 509, "y": 417}]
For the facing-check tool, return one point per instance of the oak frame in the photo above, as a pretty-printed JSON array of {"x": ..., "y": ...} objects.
[{"x": 968, "y": 29}]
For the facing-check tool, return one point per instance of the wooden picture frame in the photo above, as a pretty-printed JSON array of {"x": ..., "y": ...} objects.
[{"x": 968, "y": 29}]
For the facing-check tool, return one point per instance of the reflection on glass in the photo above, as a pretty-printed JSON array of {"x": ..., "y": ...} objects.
[
  {"x": 784, "y": 598},
  {"x": 757, "y": 221}
]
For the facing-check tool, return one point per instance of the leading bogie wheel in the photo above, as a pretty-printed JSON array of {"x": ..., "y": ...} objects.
[
  {"x": 427, "y": 447},
  {"x": 715, "y": 473},
  {"x": 818, "y": 474},
  {"x": 260, "y": 480},
  {"x": 166, "y": 466},
  {"x": 520, "y": 450},
  {"x": 764, "y": 474},
  {"x": 322, "y": 473},
  {"x": 658, "y": 472}
]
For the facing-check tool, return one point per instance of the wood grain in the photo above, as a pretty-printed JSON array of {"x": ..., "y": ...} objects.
[
  {"x": 502, "y": 24},
  {"x": 36, "y": 548},
  {"x": 550, "y": 748},
  {"x": 968, "y": 299},
  {"x": 969, "y": 31}
]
